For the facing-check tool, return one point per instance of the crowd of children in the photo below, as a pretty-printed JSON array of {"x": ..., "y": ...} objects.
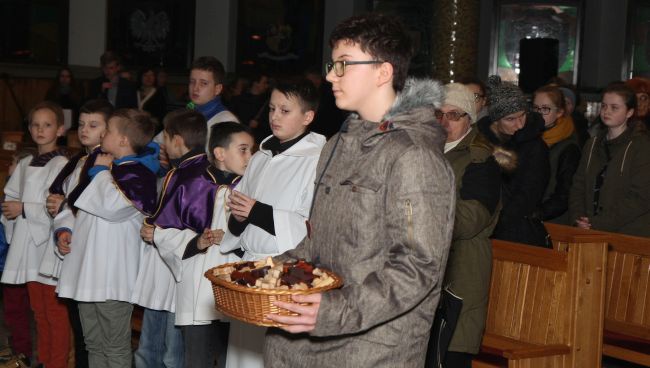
[{"x": 90, "y": 237}]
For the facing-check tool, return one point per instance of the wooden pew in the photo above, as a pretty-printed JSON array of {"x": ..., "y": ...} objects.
[
  {"x": 545, "y": 307},
  {"x": 627, "y": 301}
]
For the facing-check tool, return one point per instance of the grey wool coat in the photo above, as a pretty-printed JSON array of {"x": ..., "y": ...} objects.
[{"x": 382, "y": 219}]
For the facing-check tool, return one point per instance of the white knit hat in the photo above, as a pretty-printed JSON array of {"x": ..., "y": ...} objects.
[{"x": 460, "y": 96}]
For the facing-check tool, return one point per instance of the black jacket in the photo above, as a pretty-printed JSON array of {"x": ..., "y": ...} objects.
[
  {"x": 523, "y": 187},
  {"x": 126, "y": 95}
]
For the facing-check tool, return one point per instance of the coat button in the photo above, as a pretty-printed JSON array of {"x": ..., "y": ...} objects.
[
  {"x": 354, "y": 188},
  {"x": 327, "y": 190}
]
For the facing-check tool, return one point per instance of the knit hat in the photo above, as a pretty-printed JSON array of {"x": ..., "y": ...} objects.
[
  {"x": 568, "y": 94},
  {"x": 460, "y": 96},
  {"x": 504, "y": 98}
]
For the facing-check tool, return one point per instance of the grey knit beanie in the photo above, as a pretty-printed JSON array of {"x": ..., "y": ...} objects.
[{"x": 504, "y": 98}]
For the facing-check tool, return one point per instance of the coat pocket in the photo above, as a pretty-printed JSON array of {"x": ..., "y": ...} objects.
[{"x": 362, "y": 184}]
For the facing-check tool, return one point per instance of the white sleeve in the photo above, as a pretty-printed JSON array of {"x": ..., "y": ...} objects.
[
  {"x": 101, "y": 198},
  {"x": 171, "y": 244},
  {"x": 230, "y": 242},
  {"x": 64, "y": 219},
  {"x": 291, "y": 226},
  {"x": 12, "y": 193}
]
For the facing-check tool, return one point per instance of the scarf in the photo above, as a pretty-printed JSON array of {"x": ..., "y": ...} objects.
[
  {"x": 210, "y": 109},
  {"x": 562, "y": 129}
]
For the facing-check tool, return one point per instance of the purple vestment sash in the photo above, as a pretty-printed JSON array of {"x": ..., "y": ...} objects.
[{"x": 187, "y": 197}]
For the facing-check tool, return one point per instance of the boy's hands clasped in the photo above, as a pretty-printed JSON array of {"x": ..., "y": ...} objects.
[
  {"x": 240, "y": 205},
  {"x": 63, "y": 242},
  {"x": 12, "y": 209},
  {"x": 146, "y": 233},
  {"x": 53, "y": 203},
  {"x": 209, "y": 237},
  {"x": 104, "y": 159}
]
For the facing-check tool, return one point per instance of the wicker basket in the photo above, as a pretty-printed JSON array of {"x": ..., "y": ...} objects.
[{"x": 251, "y": 305}]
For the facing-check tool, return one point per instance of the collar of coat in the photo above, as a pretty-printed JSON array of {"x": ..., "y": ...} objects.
[{"x": 412, "y": 111}]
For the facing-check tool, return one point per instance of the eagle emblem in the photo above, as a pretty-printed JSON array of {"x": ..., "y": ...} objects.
[{"x": 149, "y": 29}]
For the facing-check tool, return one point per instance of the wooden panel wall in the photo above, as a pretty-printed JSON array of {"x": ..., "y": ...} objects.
[{"x": 28, "y": 92}]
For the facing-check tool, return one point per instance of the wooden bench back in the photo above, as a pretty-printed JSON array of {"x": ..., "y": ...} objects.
[
  {"x": 627, "y": 300},
  {"x": 549, "y": 297},
  {"x": 528, "y": 293},
  {"x": 627, "y": 305}
]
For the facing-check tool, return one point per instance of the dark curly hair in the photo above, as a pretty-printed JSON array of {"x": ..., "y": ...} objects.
[{"x": 381, "y": 36}]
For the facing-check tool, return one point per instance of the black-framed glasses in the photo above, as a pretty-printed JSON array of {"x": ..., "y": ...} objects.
[
  {"x": 544, "y": 110},
  {"x": 451, "y": 115},
  {"x": 339, "y": 65},
  {"x": 478, "y": 97}
]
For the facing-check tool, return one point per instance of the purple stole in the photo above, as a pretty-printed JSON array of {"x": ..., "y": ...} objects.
[
  {"x": 188, "y": 196},
  {"x": 137, "y": 183}
]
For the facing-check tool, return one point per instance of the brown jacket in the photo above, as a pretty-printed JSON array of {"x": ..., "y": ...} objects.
[{"x": 382, "y": 219}]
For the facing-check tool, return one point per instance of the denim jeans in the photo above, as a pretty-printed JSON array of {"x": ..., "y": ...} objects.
[{"x": 161, "y": 343}]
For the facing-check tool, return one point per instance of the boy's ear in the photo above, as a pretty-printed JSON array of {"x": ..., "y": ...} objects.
[
  {"x": 309, "y": 117},
  {"x": 219, "y": 153},
  {"x": 124, "y": 141},
  {"x": 218, "y": 88},
  {"x": 60, "y": 131},
  {"x": 178, "y": 141},
  {"x": 385, "y": 74}
]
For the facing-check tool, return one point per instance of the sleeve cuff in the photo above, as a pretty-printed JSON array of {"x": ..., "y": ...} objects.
[
  {"x": 236, "y": 228},
  {"x": 192, "y": 248},
  {"x": 261, "y": 215},
  {"x": 61, "y": 230}
]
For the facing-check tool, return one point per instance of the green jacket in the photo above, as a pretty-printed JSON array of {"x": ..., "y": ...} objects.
[
  {"x": 478, "y": 192},
  {"x": 624, "y": 203}
]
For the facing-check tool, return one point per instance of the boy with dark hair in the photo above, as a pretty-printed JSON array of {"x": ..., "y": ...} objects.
[
  {"x": 120, "y": 92},
  {"x": 382, "y": 216},
  {"x": 161, "y": 342},
  {"x": 270, "y": 206},
  {"x": 192, "y": 203},
  {"x": 204, "y": 88},
  {"x": 102, "y": 265},
  {"x": 64, "y": 191}
]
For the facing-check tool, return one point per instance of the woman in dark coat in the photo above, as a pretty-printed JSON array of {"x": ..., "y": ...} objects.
[
  {"x": 513, "y": 127},
  {"x": 150, "y": 99},
  {"x": 611, "y": 188}
]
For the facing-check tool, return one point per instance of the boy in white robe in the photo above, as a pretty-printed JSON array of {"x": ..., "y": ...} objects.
[
  {"x": 184, "y": 242},
  {"x": 271, "y": 206},
  {"x": 65, "y": 189},
  {"x": 28, "y": 227},
  {"x": 102, "y": 265}
]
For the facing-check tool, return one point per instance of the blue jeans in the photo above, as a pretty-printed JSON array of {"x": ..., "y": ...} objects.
[{"x": 161, "y": 343}]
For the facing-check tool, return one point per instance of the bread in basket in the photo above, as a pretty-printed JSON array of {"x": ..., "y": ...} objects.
[{"x": 250, "y": 295}]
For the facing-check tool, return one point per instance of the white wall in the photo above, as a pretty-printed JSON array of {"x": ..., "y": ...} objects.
[
  {"x": 87, "y": 32},
  {"x": 215, "y": 31}
]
